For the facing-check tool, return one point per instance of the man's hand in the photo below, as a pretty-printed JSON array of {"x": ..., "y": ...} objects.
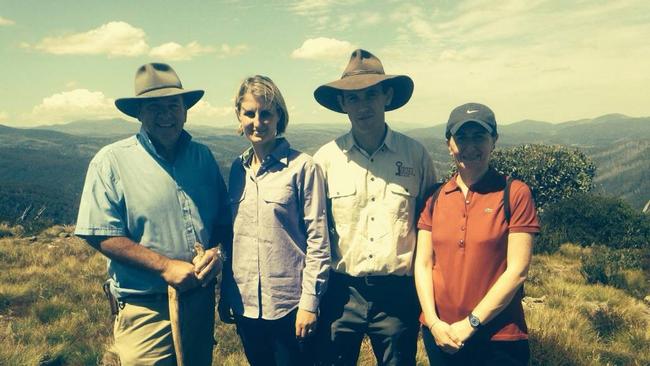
[
  {"x": 445, "y": 337},
  {"x": 207, "y": 267},
  {"x": 305, "y": 323},
  {"x": 180, "y": 275}
]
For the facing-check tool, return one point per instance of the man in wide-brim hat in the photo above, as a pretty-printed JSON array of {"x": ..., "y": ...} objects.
[
  {"x": 376, "y": 180},
  {"x": 146, "y": 202}
]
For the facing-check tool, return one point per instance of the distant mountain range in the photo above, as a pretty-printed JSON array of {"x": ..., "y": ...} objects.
[{"x": 45, "y": 166}]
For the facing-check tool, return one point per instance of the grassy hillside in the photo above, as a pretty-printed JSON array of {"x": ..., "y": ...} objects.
[{"x": 52, "y": 310}]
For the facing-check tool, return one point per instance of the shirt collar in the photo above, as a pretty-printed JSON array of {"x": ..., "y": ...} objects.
[
  {"x": 491, "y": 181},
  {"x": 348, "y": 142},
  {"x": 143, "y": 137},
  {"x": 280, "y": 153}
]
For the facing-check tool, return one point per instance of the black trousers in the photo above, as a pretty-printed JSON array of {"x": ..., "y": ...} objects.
[
  {"x": 385, "y": 308},
  {"x": 478, "y": 351},
  {"x": 274, "y": 342}
]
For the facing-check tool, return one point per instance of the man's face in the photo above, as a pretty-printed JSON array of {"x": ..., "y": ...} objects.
[
  {"x": 163, "y": 119},
  {"x": 366, "y": 107}
]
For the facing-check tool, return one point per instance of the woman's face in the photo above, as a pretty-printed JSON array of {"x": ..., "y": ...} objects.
[
  {"x": 259, "y": 121},
  {"x": 471, "y": 146}
]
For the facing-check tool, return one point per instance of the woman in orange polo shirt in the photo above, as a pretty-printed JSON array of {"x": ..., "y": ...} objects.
[{"x": 472, "y": 260}]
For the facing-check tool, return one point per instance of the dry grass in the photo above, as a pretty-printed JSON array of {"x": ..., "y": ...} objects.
[{"x": 52, "y": 310}]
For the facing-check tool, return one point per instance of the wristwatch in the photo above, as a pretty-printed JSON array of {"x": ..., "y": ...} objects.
[{"x": 474, "y": 321}]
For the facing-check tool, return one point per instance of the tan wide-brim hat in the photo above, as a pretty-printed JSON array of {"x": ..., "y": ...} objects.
[
  {"x": 156, "y": 80},
  {"x": 364, "y": 70}
]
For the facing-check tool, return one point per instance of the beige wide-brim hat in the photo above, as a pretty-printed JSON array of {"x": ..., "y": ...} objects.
[
  {"x": 364, "y": 70},
  {"x": 156, "y": 80}
]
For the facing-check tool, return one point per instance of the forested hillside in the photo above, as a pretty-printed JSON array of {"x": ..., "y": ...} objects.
[{"x": 43, "y": 169}]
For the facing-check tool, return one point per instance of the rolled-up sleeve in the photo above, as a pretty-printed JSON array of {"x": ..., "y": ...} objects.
[
  {"x": 101, "y": 210},
  {"x": 317, "y": 258}
]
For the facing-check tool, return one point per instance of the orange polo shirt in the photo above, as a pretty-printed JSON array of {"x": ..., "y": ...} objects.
[{"x": 470, "y": 242}]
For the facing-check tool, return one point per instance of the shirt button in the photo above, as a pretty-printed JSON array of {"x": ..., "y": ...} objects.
[
  {"x": 467, "y": 201},
  {"x": 461, "y": 242},
  {"x": 370, "y": 256},
  {"x": 373, "y": 199},
  {"x": 462, "y": 228},
  {"x": 371, "y": 239},
  {"x": 372, "y": 179},
  {"x": 189, "y": 229},
  {"x": 372, "y": 219}
]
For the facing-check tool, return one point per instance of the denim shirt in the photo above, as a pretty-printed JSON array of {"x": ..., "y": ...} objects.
[
  {"x": 131, "y": 191},
  {"x": 280, "y": 256}
]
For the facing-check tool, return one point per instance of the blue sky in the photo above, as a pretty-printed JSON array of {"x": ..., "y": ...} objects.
[{"x": 546, "y": 60}]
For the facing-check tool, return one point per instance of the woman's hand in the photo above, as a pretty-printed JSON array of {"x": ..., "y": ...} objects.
[
  {"x": 225, "y": 312},
  {"x": 462, "y": 330},
  {"x": 305, "y": 323},
  {"x": 445, "y": 337}
]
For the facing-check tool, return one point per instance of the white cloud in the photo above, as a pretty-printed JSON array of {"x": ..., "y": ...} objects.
[
  {"x": 317, "y": 48},
  {"x": 72, "y": 105},
  {"x": 175, "y": 52},
  {"x": 113, "y": 39},
  {"x": 204, "y": 112},
  {"x": 6, "y": 22},
  {"x": 234, "y": 50}
]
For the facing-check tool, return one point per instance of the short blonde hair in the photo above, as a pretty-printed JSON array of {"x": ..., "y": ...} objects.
[{"x": 264, "y": 88}]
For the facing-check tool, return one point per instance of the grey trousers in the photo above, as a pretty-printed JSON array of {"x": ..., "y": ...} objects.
[{"x": 385, "y": 308}]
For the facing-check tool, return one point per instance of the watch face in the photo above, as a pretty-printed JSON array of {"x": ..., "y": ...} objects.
[{"x": 473, "y": 321}]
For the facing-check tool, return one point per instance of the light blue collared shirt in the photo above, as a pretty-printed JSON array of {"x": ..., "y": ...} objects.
[
  {"x": 280, "y": 255},
  {"x": 131, "y": 191}
]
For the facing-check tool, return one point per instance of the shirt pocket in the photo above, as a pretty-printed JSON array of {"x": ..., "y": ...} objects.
[
  {"x": 401, "y": 200},
  {"x": 343, "y": 203},
  {"x": 279, "y": 207},
  {"x": 241, "y": 213}
]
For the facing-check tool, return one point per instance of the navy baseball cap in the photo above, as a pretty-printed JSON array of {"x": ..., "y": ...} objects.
[{"x": 471, "y": 112}]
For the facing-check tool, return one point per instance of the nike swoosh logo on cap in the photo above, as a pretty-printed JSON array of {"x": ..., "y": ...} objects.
[{"x": 470, "y": 111}]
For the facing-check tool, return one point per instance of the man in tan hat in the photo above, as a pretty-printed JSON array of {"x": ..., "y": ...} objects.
[
  {"x": 376, "y": 181},
  {"x": 147, "y": 201}
]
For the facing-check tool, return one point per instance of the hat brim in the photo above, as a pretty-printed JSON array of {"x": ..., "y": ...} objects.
[
  {"x": 326, "y": 95},
  {"x": 457, "y": 126},
  {"x": 131, "y": 106}
]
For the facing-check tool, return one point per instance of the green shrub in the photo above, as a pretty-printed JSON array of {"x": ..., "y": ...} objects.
[
  {"x": 588, "y": 219},
  {"x": 553, "y": 173}
]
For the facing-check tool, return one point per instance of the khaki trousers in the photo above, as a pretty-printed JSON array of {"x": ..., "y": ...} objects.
[{"x": 143, "y": 333}]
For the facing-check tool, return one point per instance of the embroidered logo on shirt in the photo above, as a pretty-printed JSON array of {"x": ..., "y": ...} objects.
[
  {"x": 488, "y": 210},
  {"x": 404, "y": 171}
]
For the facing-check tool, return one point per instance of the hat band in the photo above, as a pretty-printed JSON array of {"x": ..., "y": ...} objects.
[
  {"x": 159, "y": 87},
  {"x": 362, "y": 72}
]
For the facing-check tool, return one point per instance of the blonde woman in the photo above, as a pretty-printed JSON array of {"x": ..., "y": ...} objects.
[{"x": 277, "y": 268}]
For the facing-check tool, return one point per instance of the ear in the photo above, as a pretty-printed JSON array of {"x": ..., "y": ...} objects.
[
  {"x": 389, "y": 96},
  {"x": 449, "y": 147},
  {"x": 339, "y": 99}
]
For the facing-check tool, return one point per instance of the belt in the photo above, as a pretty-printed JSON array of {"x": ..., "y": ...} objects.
[
  {"x": 373, "y": 280},
  {"x": 157, "y": 297}
]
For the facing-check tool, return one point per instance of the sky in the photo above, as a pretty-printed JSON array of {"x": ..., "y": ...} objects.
[{"x": 545, "y": 60}]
